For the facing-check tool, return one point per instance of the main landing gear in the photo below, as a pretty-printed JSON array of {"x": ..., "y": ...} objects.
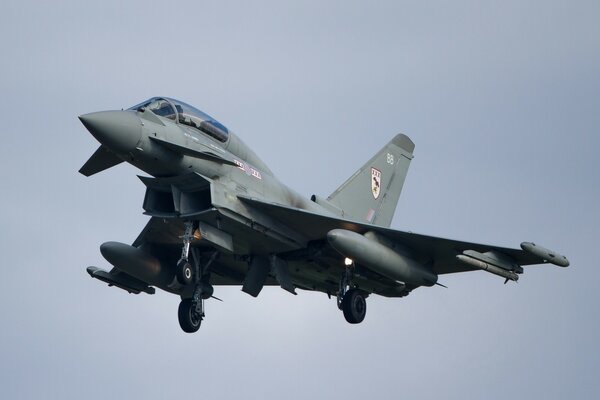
[
  {"x": 191, "y": 309},
  {"x": 352, "y": 301}
]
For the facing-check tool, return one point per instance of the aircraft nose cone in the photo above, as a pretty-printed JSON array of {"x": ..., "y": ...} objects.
[{"x": 120, "y": 131}]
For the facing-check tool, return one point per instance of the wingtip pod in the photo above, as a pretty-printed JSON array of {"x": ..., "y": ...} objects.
[{"x": 545, "y": 254}]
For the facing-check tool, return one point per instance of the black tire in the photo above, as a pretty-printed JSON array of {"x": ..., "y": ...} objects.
[
  {"x": 354, "y": 306},
  {"x": 185, "y": 273},
  {"x": 189, "y": 319}
]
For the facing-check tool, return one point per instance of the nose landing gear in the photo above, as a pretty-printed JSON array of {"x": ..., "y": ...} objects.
[{"x": 191, "y": 309}]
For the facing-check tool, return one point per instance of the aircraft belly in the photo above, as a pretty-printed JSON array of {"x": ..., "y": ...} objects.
[{"x": 315, "y": 275}]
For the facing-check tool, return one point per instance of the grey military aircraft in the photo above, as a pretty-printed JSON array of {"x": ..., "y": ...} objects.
[{"x": 219, "y": 216}]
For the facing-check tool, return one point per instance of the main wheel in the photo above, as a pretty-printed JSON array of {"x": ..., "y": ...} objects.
[
  {"x": 185, "y": 273},
  {"x": 189, "y": 318},
  {"x": 354, "y": 306}
]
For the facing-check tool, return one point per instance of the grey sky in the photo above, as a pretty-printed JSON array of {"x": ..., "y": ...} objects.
[{"x": 501, "y": 100}]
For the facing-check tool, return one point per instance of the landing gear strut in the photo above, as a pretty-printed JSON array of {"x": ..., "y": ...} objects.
[
  {"x": 184, "y": 271},
  {"x": 345, "y": 284},
  {"x": 351, "y": 301}
]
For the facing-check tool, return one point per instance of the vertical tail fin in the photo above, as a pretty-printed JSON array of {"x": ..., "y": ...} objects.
[{"x": 372, "y": 192}]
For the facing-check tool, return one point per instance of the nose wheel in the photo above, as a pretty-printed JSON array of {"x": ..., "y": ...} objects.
[
  {"x": 191, "y": 310},
  {"x": 190, "y": 315}
]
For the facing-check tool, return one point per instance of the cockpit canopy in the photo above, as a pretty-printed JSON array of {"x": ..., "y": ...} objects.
[{"x": 185, "y": 114}]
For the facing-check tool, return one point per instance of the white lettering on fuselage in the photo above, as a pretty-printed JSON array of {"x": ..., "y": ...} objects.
[{"x": 248, "y": 169}]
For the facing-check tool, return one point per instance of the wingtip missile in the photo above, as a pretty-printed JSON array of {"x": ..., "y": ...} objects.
[{"x": 545, "y": 254}]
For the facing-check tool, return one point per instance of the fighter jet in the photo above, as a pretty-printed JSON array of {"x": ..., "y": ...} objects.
[{"x": 219, "y": 216}]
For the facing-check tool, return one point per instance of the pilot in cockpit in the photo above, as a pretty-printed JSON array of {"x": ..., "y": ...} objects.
[{"x": 162, "y": 108}]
